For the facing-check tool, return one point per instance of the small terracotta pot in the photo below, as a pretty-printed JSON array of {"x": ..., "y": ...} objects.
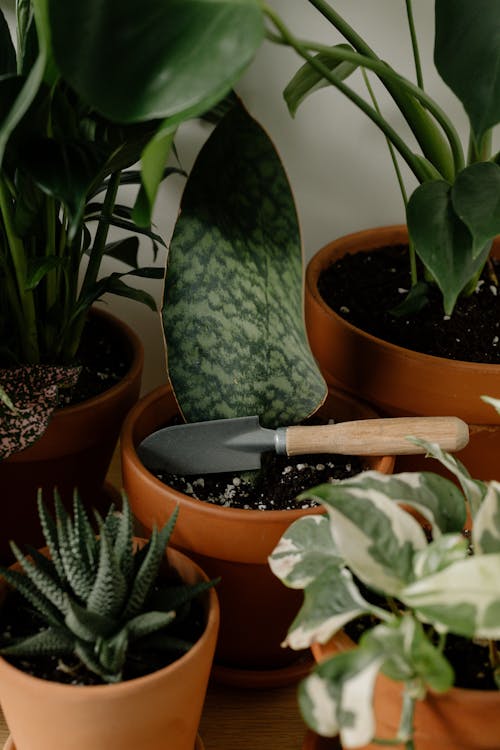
[
  {"x": 162, "y": 709},
  {"x": 398, "y": 381},
  {"x": 9, "y": 745},
  {"x": 457, "y": 720},
  {"x": 75, "y": 451},
  {"x": 256, "y": 609}
]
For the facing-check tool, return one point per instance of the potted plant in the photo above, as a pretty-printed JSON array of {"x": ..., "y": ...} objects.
[
  {"x": 408, "y": 565},
  {"x": 447, "y": 262},
  {"x": 236, "y": 345},
  {"x": 106, "y": 639},
  {"x": 85, "y": 96}
]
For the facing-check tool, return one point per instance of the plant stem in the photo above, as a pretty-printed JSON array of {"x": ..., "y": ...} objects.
[
  {"x": 414, "y": 44},
  {"x": 428, "y": 136},
  {"x": 27, "y": 328}
]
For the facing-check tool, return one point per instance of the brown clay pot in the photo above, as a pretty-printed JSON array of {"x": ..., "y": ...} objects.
[
  {"x": 457, "y": 720},
  {"x": 162, "y": 709},
  {"x": 9, "y": 745},
  {"x": 75, "y": 451},
  {"x": 256, "y": 609},
  {"x": 398, "y": 381}
]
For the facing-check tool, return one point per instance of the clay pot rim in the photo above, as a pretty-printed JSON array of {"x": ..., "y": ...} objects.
[
  {"x": 10, "y": 745},
  {"x": 212, "y": 620},
  {"x": 322, "y": 259},
  {"x": 201, "y": 506},
  {"x": 136, "y": 365}
]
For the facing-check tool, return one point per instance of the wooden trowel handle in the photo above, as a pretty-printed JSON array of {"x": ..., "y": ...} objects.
[{"x": 375, "y": 437}]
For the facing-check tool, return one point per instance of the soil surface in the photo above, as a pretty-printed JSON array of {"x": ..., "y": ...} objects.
[
  {"x": 364, "y": 287},
  {"x": 104, "y": 359},
  {"x": 275, "y": 487}
]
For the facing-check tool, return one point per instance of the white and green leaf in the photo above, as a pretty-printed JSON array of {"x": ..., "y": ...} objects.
[
  {"x": 486, "y": 527},
  {"x": 330, "y": 602},
  {"x": 303, "y": 552},
  {"x": 463, "y": 598},
  {"x": 338, "y": 696},
  {"x": 376, "y": 539},
  {"x": 439, "y": 554}
]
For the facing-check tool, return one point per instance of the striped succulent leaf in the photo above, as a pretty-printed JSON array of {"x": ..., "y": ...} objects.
[
  {"x": 232, "y": 310},
  {"x": 97, "y": 622}
]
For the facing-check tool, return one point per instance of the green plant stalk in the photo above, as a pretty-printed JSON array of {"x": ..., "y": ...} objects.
[
  {"x": 428, "y": 136},
  {"x": 414, "y": 44},
  {"x": 483, "y": 152},
  {"x": 95, "y": 258},
  {"x": 27, "y": 321},
  {"x": 411, "y": 248}
]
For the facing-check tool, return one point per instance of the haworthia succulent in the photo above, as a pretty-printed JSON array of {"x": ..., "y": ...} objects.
[{"x": 232, "y": 312}]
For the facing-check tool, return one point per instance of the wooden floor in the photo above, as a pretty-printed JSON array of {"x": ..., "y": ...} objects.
[{"x": 235, "y": 718}]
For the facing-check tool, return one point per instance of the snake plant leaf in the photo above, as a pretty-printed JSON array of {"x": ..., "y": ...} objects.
[
  {"x": 307, "y": 80},
  {"x": 191, "y": 53},
  {"x": 442, "y": 241},
  {"x": 476, "y": 200},
  {"x": 467, "y": 56},
  {"x": 232, "y": 311}
]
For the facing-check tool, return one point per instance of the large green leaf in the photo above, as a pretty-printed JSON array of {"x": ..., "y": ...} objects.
[
  {"x": 156, "y": 58},
  {"x": 442, "y": 241},
  {"x": 476, "y": 200},
  {"x": 467, "y": 56},
  {"x": 232, "y": 313}
]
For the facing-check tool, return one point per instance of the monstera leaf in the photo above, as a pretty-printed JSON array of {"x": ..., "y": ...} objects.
[{"x": 233, "y": 319}]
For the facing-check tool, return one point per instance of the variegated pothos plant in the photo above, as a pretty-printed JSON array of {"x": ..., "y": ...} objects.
[{"x": 445, "y": 584}]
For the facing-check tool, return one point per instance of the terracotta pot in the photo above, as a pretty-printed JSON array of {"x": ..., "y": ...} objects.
[
  {"x": 457, "y": 720},
  {"x": 75, "y": 451},
  {"x": 162, "y": 709},
  {"x": 256, "y": 609},
  {"x": 398, "y": 381},
  {"x": 9, "y": 745}
]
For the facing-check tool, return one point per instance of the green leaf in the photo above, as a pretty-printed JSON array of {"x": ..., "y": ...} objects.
[
  {"x": 439, "y": 554},
  {"x": 375, "y": 538},
  {"x": 409, "y": 655},
  {"x": 47, "y": 586},
  {"x": 473, "y": 489},
  {"x": 191, "y": 53},
  {"x": 416, "y": 299},
  {"x": 463, "y": 598},
  {"x": 109, "y": 590},
  {"x": 303, "y": 551},
  {"x": 40, "y": 267},
  {"x": 442, "y": 240},
  {"x": 233, "y": 297},
  {"x": 486, "y": 527},
  {"x": 153, "y": 161},
  {"x": 88, "y": 625},
  {"x": 467, "y": 56},
  {"x": 307, "y": 80},
  {"x": 476, "y": 200},
  {"x": 330, "y": 602},
  {"x": 148, "y": 622},
  {"x": 52, "y": 642},
  {"x": 338, "y": 696}
]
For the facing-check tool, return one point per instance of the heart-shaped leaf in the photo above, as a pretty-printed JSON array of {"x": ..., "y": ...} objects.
[
  {"x": 467, "y": 56},
  {"x": 232, "y": 312},
  {"x": 154, "y": 59},
  {"x": 476, "y": 200}
]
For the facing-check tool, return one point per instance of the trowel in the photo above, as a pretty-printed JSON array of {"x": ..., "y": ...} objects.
[{"x": 237, "y": 444}]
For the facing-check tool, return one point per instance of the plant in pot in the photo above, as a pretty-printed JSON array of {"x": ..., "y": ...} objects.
[
  {"x": 236, "y": 346},
  {"x": 85, "y": 96},
  {"x": 425, "y": 340},
  {"x": 408, "y": 566},
  {"x": 107, "y": 639}
]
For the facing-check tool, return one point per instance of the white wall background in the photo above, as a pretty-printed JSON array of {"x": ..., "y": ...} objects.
[{"x": 336, "y": 159}]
